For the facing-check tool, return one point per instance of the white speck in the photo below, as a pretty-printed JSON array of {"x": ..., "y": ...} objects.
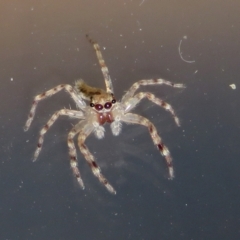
[
  {"x": 233, "y": 86},
  {"x": 120, "y": 35},
  {"x": 125, "y": 47},
  {"x": 35, "y": 68},
  {"x": 32, "y": 8},
  {"x": 11, "y": 79},
  {"x": 104, "y": 48},
  {"x": 195, "y": 71}
]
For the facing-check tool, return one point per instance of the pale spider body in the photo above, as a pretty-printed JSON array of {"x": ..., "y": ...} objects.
[{"x": 102, "y": 108}]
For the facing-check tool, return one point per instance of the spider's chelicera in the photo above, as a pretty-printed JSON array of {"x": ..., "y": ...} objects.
[{"x": 102, "y": 108}]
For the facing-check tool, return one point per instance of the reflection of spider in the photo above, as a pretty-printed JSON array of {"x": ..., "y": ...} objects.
[{"x": 103, "y": 108}]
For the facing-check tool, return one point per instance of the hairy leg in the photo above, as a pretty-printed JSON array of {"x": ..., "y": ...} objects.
[
  {"x": 103, "y": 66},
  {"x": 49, "y": 93},
  {"x": 90, "y": 158},
  {"x": 147, "y": 82},
  {"x": 132, "y": 102},
  {"x": 66, "y": 112},
  {"x": 134, "y": 118}
]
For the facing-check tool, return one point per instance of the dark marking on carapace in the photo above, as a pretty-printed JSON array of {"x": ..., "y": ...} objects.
[
  {"x": 39, "y": 145},
  {"x": 87, "y": 92}
]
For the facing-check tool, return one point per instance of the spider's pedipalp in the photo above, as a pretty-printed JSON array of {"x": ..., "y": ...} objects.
[
  {"x": 137, "y": 119},
  {"x": 132, "y": 102},
  {"x": 147, "y": 82},
  {"x": 80, "y": 103},
  {"x": 90, "y": 158},
  {"x": 66, "y": 112},
  {"x": 108, "y": 81}
]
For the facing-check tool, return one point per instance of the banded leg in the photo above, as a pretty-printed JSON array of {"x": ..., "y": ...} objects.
[
  {"x": 134, "y": 118},
  {"x": 147, "y": 82},
  {"x": 90, "y": 158},
  {"x": 132, "y": 102},
  {"x": 73, "y": 154},
  {"x": 49, "y": 93},
  {"x": 67, "y": 112},
  {"x": 108, "y": 81}
]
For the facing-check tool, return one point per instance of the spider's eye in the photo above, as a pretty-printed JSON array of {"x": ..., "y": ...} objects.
[
  {"x": 92, "y": 105},
  {"x": 98, "y": 107},
  {"x": 114, "y": 101},
  {"x": 107, "y": 105}
]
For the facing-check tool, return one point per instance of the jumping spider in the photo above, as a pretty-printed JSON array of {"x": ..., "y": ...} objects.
[{"x": 102, "y": 108}]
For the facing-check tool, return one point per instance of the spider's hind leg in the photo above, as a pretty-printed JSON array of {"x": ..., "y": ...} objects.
[
  {"x": 137, "y": 119},
  {"x": 86, "y": 130}
]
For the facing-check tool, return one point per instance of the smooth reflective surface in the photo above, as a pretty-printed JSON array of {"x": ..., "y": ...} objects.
[{"x": 43, "y": 44}]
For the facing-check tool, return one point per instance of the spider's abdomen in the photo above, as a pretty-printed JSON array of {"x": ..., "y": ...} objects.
[{"x": 105, "y": 117}]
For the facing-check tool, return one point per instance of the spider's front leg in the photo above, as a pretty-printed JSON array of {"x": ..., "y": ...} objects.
[
  {"x": 67, "y": 112},
  {"x": 137, "y": 119},
  {"x": 81, "y": 104},
  {"x": 132, "y": 102},
  {"x": 108, "y": 81},
  {"x": 84, "y": 133},
  {"x": 147, "y": 82}
]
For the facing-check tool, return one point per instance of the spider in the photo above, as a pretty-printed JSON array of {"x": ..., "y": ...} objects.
[{"x": 102, "y": 107}]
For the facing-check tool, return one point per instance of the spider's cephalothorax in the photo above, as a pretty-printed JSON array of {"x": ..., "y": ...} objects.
[
  {"x": 102, "y": 108},
  {"x": 100, "y": 100}
]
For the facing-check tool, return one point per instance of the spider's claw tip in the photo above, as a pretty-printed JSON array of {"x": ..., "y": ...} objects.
[
  {"x": 114, "y": 192},
  {"x": 25, "y": 128},
  {"x": 171, "y": 177},
  {"x": 80, "y": 182}
]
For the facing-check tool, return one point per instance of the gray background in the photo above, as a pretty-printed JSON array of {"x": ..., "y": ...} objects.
[{"x": 42, "y": 44}]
